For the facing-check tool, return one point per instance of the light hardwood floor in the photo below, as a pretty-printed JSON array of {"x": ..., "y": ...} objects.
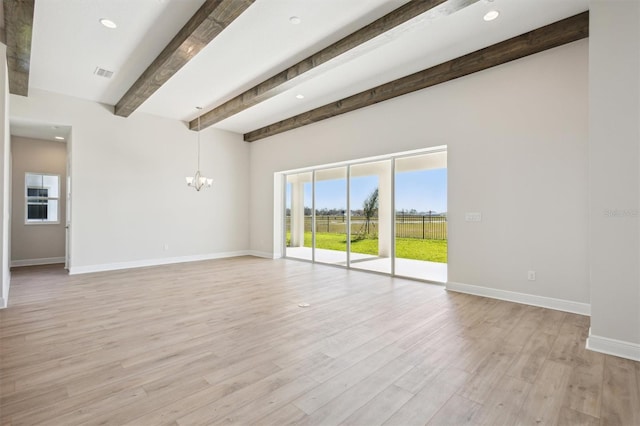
[{"x": 225, "y": 342}]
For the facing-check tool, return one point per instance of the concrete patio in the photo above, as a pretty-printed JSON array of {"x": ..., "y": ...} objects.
[{"x": 418, "y": 269}]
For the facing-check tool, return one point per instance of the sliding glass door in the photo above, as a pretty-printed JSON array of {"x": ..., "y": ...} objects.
[
  {"x": 331, "y": 216},
  {"x": 421, "y": 216},
  {"x": 370, "y": 203},
  {"x": 298, "y": 204},
  {"x": 387, "y": 216}
]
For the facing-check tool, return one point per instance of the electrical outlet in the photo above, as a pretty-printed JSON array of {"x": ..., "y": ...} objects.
[
  {"x": 531, "y": 275},
  {"x": 166, "y": 246}
]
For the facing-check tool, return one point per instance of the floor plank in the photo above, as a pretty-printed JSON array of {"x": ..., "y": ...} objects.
[
  {"x": 347, "y": 402},
  {"x": 533, "y": 355},
  {"x": 428, "y": 401},
  {"x": 503, "y": 403},
  {"x": 584, "y": 392},
  {"x": 380, "y": 408},
  {"x": 568, "y": 416},
  {"x": 457, "y": 411},
  {"x": 544, "y": 401},
  {"x": 620, "y": 398},
  {"x": 225, "y": 342}
]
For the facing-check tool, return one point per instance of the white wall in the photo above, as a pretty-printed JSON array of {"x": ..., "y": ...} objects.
[
  {"x": 5, "y": 179},
  {"x": 129, "y": 196},
  {"x": 517, "y": 145},
  {"x": 614, "y": 85},
  {"x": 40, "y": 243}
]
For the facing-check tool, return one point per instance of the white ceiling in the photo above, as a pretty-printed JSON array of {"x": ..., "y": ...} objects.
[{"x": 69, "y": 43}]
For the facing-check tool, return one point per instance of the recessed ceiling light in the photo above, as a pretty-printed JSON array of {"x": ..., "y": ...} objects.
[
  {"x": 295, "y": 20},
  {"x": 60, "y": 138},
  {"x": 491, "y": 15},
  {"x": 299, "y": 96},
  {"x": 108, "y": 23}
]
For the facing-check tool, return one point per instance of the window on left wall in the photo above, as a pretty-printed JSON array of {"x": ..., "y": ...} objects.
[{"x": 42, "y": 196}]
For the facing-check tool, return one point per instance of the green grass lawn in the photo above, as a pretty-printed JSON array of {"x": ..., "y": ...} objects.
[{"x": 406, "y": 248}]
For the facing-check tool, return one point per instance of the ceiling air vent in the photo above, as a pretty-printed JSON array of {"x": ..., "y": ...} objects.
[{"x": 101, "y": 72}]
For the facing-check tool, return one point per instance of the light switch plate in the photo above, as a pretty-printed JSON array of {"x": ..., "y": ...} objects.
[{"x": 473, "y": 217}]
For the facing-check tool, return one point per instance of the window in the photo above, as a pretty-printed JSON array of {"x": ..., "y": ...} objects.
[{"x": 42, "y": 193}]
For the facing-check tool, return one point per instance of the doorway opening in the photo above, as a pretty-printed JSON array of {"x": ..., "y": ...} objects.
[{"x": 40, "y": 194}]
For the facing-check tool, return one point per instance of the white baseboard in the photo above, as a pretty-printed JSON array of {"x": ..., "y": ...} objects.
[
  {"x": 74, "y": 270},
  {"x": 34, "y": 262},
  {"x": 527, "y": 299},
  {"x": 264, "y": 254},
  {"x": 614, "y": 347},
  {"x": 3, "y": 303}
]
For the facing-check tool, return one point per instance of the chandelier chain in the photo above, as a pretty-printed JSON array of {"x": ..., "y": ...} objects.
[{"x": 198, "y": 181}]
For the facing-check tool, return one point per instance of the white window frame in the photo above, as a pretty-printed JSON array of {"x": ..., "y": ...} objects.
[{"x": 27, "y": 198}]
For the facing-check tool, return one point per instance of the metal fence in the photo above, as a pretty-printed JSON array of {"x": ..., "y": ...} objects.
[{"x": 426, "y": 227}]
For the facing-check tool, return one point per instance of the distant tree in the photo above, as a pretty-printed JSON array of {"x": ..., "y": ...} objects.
[{"x": 370, "y": 209}]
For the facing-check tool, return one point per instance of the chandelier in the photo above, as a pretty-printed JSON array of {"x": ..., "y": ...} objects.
[{"x": 198, "y": 181}]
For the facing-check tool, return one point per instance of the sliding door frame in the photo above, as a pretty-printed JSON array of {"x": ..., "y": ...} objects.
[{"x": 392, "y": 158}]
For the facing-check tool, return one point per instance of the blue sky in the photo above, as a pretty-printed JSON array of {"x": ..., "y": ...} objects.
[{"x": 422, "y": 190}]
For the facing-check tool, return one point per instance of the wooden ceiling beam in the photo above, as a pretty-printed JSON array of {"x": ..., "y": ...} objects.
[
  {"x": 18, "y": 25},
  {"x": 205, "y": 25},
  {"x": 547, "y": 37},
  {"x": 357, "y": 43}
]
